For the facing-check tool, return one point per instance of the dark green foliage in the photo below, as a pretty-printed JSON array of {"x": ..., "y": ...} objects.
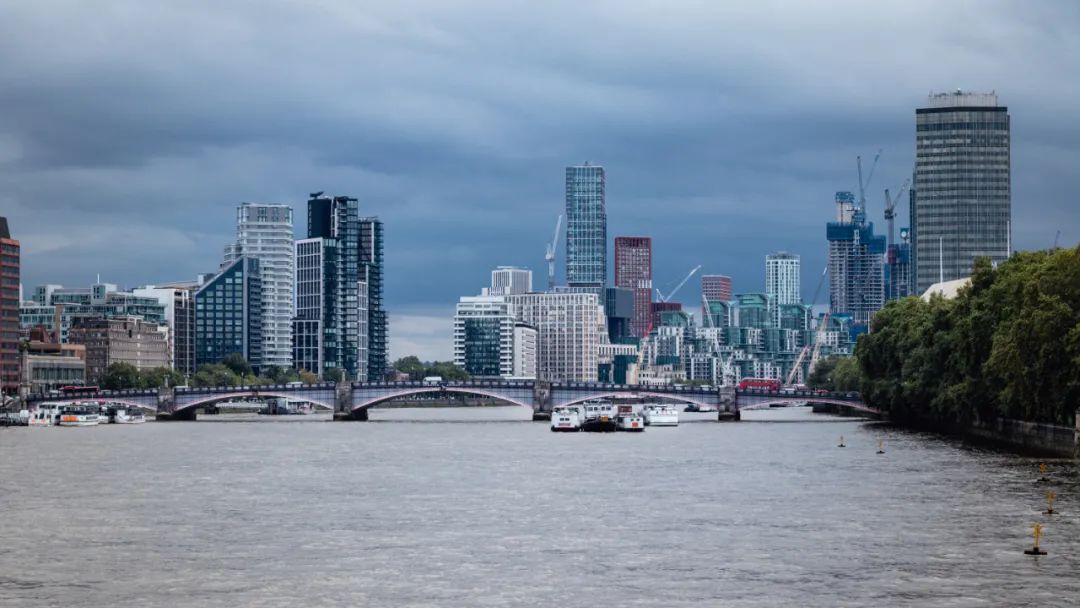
[
  {"x": 120, "y": 376},
  {"x": 1007, "y": 346},
  {"x": 161, "y": 376},
  {"x": 417, "y": 370},
  {"x": 238, "y": 364}
]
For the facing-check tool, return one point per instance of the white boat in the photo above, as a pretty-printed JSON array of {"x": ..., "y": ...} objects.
[
  {"x": 565, "y": 419},
  {"x": 629, "y": 420},
  {"x": 126, "y": 415},
  {"x": 661, "y": 415},
  {"x": 47, "y": 414},
  {"x": 599, "y": 417},
  {"x": 79, "y": 416}
]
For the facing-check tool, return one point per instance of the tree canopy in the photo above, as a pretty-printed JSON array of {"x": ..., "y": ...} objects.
[{"x": 1007, "y": 346}]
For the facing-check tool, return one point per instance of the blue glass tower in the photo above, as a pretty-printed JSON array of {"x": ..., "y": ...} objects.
[
  {"x": 586, "y": 228},
  {"x": 228, "y": 314}
]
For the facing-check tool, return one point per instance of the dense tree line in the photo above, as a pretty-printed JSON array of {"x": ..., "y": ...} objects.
[
  {"x": 234, "y": 370},
  {"x": 836, "y": 374},
  {"x": 1007, "y": 346},
  {"x": 418, "y": 370}
]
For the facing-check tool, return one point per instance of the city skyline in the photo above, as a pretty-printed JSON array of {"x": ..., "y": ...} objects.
[{"x": 718, "y": 168}]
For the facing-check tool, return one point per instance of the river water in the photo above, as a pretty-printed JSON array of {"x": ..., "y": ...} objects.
[{"x": 477, "y": 507}]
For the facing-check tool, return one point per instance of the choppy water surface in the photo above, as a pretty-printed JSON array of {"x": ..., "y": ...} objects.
[{"x": 477, "y": 508}]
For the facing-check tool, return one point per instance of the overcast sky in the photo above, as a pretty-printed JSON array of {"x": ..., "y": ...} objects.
[{"x": 130, "y": 131}]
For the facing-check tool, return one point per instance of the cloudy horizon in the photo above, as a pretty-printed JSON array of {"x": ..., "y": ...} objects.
[{"x": 130, "y": 131}]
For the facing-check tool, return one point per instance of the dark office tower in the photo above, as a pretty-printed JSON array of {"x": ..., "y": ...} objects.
[
  {"x": 586, "y": 228},
  {"x": 228, "y": 314},
  {"x": 633, "y": 270},
  {"x": 371, "y": 288},
  {"x": 963, "y": 196},
  {"x": 330, "y": 319},
  {"x": 9, "y": 311}
]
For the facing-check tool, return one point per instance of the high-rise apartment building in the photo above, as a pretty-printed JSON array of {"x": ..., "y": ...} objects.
[
  {"x": 228, "y": 315},
  {"x": 484, "y": 336},
  {"x": 340, "y": 320},
  {"x": 716, "y": 287},
  {"x": 510, "y": 280},
  {"x": 962, "y": 203},
  {"x": 375, "y": 350},
  {"x": 586, "y": 227},
  {"x": 570, "y": 327},
  {"x": 9, "y": 310},
  {"x": 633, "y": 270},
  {"x": 782, "y": 282},
  {"x": 265, "y": 232},
  {"x": 855, "y": 262}
]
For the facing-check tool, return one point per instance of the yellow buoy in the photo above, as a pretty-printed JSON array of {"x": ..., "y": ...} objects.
[
  {"x": 1042, "y": 471},
  {"x": 881, "y": 446},
  {"x": 1035, "y": 550},
  {"x": 841, "y": 442},
  {"x": 1051, "y": 496}
]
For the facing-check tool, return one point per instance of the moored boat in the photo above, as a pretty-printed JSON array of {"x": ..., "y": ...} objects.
[
  {"x": 79, "y": 416},
  {"x": 661, "y": 415},
  {"x": 126, "y": 415},
  {"x": 599, "y": 418},
  {"x": 566, "y": 420},
  {"x": 628, "y": 420}
]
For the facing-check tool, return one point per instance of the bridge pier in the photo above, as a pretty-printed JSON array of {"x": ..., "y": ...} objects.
[
  {"x": 187, "y": 415},
  {"x": 729, "y": 416},
  {"x": 539, "y": 416},
  {"x": 351, "y": 416}
]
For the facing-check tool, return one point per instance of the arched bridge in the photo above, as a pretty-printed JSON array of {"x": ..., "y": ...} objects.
[{"x": 352, "y": 400}]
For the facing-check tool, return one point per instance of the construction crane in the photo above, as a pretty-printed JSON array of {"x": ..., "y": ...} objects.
[
  {"x": 890, "y": 208},
  {"x": 869, "y": 176},
  {"x": 817, "y": 338},
  {"x": 661, "y": 296},
  {"x": 549, "y": 255}
]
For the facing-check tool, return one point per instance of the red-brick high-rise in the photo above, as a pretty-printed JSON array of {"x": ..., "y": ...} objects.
[
  {"x": 633, "y": 270},
  {"x": 9, "y": 310}
]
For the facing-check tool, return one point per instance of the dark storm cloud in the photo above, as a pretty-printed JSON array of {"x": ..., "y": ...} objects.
[{"x": 129, "y": 131}]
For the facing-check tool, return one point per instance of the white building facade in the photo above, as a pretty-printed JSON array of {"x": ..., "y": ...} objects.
[
  {"x": 570, "y": 329},
  {"x": 525, "y": 338},
  {"x": 782, "y": 282},
  {"x": 265, "y": 232},
  {"x": 510, "y": 280}
]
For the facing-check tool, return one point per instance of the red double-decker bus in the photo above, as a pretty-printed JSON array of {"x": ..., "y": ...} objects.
[
  {"x": 67, "y": 390},
  {"x": 761, "y": 384}
]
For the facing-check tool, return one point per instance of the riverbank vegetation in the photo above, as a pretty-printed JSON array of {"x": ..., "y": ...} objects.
[{"x": 1007, "y": 346}]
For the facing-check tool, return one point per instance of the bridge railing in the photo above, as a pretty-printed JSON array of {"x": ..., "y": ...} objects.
[{"x": 254, "y": 388}]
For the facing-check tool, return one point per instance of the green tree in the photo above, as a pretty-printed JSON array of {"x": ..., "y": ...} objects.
[
  {"x": 446, "y": 370},
  {"x": 308, "y": 378},
  {"x": 411, "y": 365},
  {"x": 121, "y": 375},
  {"x": 334, "y": 374},
  {"x": 214, "y": 374},
  {"x": 821, "y": 376},
  {"x": 161, "y": 376},
  {"x": 238, "y": 364}
]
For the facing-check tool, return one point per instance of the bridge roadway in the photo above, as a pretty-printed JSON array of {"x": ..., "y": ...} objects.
[{"x": 350, "y": 401}]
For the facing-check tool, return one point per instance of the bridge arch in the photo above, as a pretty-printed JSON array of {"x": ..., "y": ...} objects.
[
  {"x": 212, "y": 398},
  {"x": 769, "y": 402},
  {"x": 406, "y": 392}
]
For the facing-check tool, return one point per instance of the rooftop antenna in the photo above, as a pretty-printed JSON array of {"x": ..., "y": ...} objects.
[
  {"x": 941, "y": 259},
  {"x": 1056, "y": 237}
]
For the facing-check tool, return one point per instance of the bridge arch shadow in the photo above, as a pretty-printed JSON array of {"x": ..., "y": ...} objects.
[
  {"x": 429, "y": 390},
  {"x": 625, "y": 394},
  {"x": 221, "y": 397}
]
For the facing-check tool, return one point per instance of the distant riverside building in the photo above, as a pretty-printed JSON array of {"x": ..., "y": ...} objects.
[
  {"x": 525, "y": 351},
  {"x": 633, "y": 270},
  {"x": 898, "y": 281},
  {"x": 619, "y": 311},
  {"x": 855, "y": 262},
  {"x": 375, "y": 337},
  {"x": 782, "y": 281},
  {"x": 48, "y": 366},
  {"x": 228, "y": 315},
  {"x": 120, "y": 340},
  {"x": 961, "y": 206},
  {"x": 510, "y": 280},
  {"x": 10, "y": 264},
  {"x": 570, "y": 329},
  {"x": 100, "y": 300},
  {"x": 586, "y": 227},
  {"x": 484, "y": 336},
  {"x": 265, "y": 232},
  {"x": 179, "y": 302}
]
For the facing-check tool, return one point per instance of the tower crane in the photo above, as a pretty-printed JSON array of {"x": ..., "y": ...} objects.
[
  {"x": 890, "y": 208},
  {"x": 869, "y": 176},
  {"x": 661, "y": 296},
  {"x": 549, "y": 255}
]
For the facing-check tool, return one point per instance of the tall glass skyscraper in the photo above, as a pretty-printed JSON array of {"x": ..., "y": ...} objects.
[
  {"x": 782, "y": 282},
  {"x": 856, "y": 262},
  {"x": 962, "y": 203},
  {"x": 586, "y": 227},
  {"x": 229, "y": 313}
]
